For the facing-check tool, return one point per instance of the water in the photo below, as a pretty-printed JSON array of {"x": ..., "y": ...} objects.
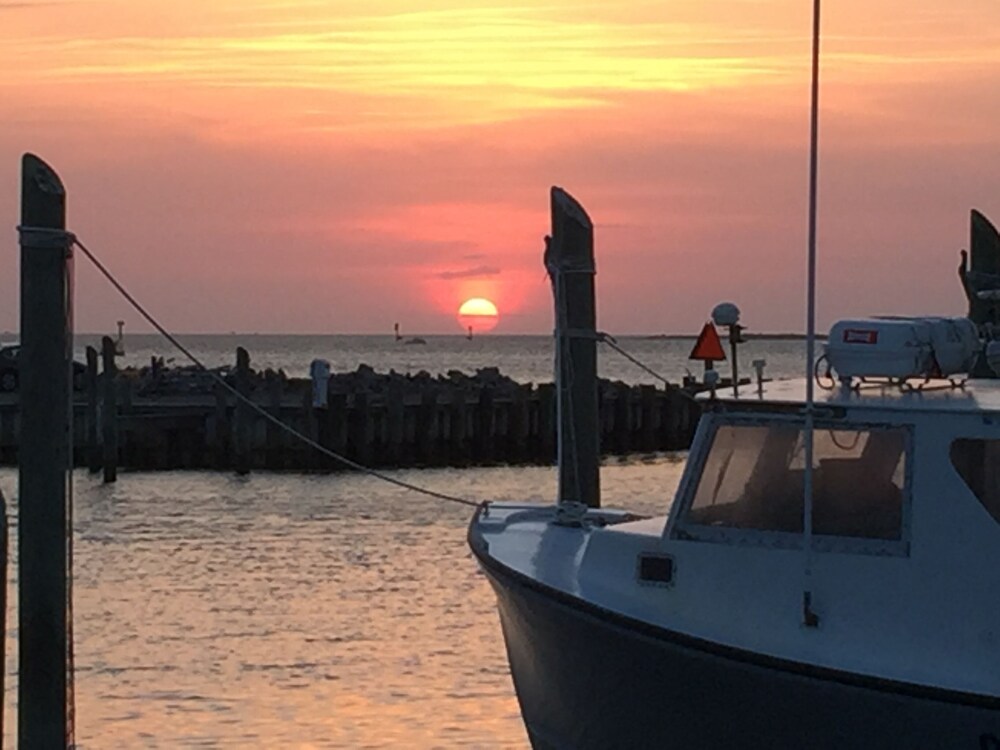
[
  {"x": 335, "y": 611},
  {"x": 523, "y": 358},
  {"x": 296, "y": 611}
]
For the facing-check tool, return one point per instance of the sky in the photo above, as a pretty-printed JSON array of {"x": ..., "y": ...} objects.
[{"x": 308, "y": 166}]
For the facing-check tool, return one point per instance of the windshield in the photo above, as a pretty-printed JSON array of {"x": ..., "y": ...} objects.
[{"x": 753, "y": 478}]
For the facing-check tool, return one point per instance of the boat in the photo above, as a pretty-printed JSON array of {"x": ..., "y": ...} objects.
[
  {"x": 731, "y": 622},
  {"x": 828, "y": 573}
]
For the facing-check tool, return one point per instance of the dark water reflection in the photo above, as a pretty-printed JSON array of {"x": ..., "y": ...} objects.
[{"x": 296, "y": 611}]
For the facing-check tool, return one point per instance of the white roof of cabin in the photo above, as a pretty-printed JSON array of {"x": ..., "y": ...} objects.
[{"x": 973, "y": 396}]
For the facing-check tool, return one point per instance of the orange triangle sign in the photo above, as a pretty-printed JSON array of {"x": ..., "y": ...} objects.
[{"x": 708, "y": 346}]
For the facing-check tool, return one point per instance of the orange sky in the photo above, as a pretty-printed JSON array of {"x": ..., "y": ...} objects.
[{"x": 309, "y": 166}]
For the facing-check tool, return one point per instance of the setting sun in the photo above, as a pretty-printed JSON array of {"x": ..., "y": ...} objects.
[{"x": 478, "y": 314}]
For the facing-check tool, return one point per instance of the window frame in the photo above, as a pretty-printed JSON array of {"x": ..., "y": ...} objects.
[
  {"x": 995, "y": 518},
  {"x": 682, "y": 530}
]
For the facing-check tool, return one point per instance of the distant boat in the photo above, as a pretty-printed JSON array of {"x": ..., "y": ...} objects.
[{"x": 415, "y": 340}]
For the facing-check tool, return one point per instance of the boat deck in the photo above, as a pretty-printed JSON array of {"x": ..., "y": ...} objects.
[{"x": 937, "y": 396}]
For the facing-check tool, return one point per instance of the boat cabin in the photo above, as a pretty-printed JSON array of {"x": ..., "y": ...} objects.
[
  {"x": 905, "y": 536},
  {"x": 898, "y": 577}
]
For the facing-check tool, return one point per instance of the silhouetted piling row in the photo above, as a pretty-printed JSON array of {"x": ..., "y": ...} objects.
[{"x": 156, "y": 418}]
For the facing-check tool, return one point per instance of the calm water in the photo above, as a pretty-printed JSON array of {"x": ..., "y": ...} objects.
[{"x": 285, "y": 611}]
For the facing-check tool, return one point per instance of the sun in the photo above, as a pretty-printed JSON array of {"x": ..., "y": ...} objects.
[{"x": 478, "y": 315}]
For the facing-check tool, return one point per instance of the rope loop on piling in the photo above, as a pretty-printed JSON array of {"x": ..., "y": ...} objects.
[
  {"x": 259, "y": 410},
  {"x": 46, "y": 237}
]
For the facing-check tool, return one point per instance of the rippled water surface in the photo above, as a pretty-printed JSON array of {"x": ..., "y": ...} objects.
[{"x": 289, "y": 611}]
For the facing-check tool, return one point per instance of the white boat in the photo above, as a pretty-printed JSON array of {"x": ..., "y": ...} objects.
[
  {"x": 828, "y": 574},
  {"x": 730, "y": 622},
  {"x": 711, "y": 628}
]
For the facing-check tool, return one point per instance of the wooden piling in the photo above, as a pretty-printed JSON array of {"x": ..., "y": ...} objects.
[
  {"x": 569, "y": 260},
  {"x": 45, "y": 455},
  {"x": 458, "y": 421},
  {"x": 310, "y": 428},
  {"x": 649, "y": 417},
  {"x": 241, "y": 419},
  {"x": 394, "y": 417},
  {"x": 109, "y": 411},
  {"x": 4, "y": 568},
  {"x": 623, "y": 423},
  {"x": 337, "y": 418},
  {"x": 547, "y": 421},
  {"x": 274, "y": 435},
  {"x": 484, "y": 426},
  {"x": 219, "y": 429},
  {"x": 518, "y": 424},
  {"x": 361, "y": 432},
  {"x": 93, "y": 435},
  {"x": 427, "y": 455}
]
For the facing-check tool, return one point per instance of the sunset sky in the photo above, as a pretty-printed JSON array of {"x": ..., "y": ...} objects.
[{"x": 336, "y": 166}]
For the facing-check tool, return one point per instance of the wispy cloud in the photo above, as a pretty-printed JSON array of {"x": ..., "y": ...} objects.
[
  {"x": 460, "y": 65},
  {"x": 470, "y": 273}
]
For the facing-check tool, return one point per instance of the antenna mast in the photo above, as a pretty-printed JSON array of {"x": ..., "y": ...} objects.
[{"x": 809, "y": 616}]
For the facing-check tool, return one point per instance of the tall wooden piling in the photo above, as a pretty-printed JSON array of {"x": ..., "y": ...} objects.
[
  {"x": 109, "y": 410},
  {"x": 569, "y": 260},
  {"x": 4, "y": 567},
  {"x": 45, "y": 454}
]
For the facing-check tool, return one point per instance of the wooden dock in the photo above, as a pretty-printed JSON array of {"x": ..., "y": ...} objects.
[{"x": 375, "y": 420}]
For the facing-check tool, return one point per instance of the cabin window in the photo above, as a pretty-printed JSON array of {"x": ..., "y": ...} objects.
[
  {"x": 753, "y": 478},
  {"x": 978, "y": 463}
]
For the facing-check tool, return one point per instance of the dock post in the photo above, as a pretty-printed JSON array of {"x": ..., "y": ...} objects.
[
  {"x": 219, "y": 432},
  {"x": 274, "y": 435},
  {"x": 518, "y": 426},
  {"x": 569, "y": 260},
  {"x": 93, "y": 439},
  {"x": 109, "y": 411},
  {"x": 43, "y": 460},
  {"x": 546, "y": 422},
  {"x": 241, "y": 417},
  {"x": 4, "y": 567},
  {"x": 394, "y": 431},
  {"x": 485, "y": 426},
  {"x": 649, "y": 417},
  {"x": 310, "y": 428},
  {"x": 428, "y": 444}
]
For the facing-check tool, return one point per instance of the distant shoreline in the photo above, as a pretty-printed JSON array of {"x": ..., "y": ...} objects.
[{"x": 747, "y": 336}]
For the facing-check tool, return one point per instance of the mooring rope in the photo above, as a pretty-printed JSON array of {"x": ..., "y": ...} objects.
[
  {"x": 610, "y": 340},
  {"x": 259, "y": 410}
]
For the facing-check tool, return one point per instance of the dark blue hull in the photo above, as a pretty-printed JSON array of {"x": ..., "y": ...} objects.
[{"x": 588, "y": 678}]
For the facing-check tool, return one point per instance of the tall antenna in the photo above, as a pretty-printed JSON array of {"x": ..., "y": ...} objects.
[{"x": 809, "y": 617}]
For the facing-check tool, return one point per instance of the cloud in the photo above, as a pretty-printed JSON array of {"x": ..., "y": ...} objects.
[
  {"x": 470, "y": 273},
  {"x": 23, "y": 5}
]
